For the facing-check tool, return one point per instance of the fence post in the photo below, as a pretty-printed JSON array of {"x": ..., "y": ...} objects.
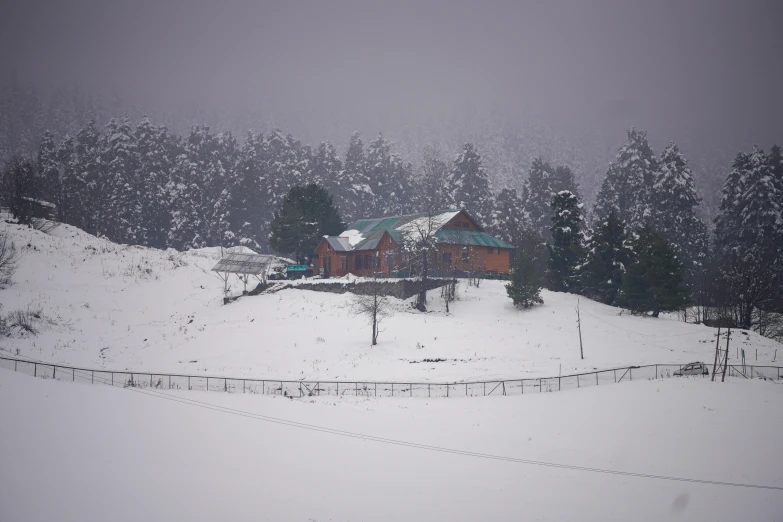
[
  {"x": 207, "y": 383},
  {"x": 577, "y": 380},
  {"x": 615, "y": 376},
  {"x": 356, "y": 389},
  {"x": 485, "y": 389},
  {"x": 504, "y": 388},
  {"x": 225, "y": 385},
  {"x": 596, "y": 378},
  {"x": 558, "y": 383},
  {"x": 15, "y": 363},
  {"x": 656, "y": 371},
  {"x": 751, "y": 371},
  {"x": 189, "y": 388},
  {"x": 112, "y": 378},
  {"x": 539, "y": 385},
  {"x": 73, "y": 374},
  {"x": 54, "y": 372},
  {"x": 150, "y": 380},
  {"x": 630, "y": 374},
  {"x": 92, "y": 377},
  {"x": 243, "y": 384},
  {"x": 169, "y": 382},
  {"x": 35, "y": 370},
  {"x": 263, "y": 385},
  {"x": 466, "y": 389},
  {"x": 411, "y": 385},
  {"x": 376, "y": 389},
  {"x": 447, "y": 390},
  {"x": 300, "y": 389},
  {"x": 429, "y": 392}
]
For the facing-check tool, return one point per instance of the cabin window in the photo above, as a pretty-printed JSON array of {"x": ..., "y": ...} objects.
[
  {"x": 465, "y": 254},
  {"x": 447, "y": 258},
  {"x": 343, "y": 264}
]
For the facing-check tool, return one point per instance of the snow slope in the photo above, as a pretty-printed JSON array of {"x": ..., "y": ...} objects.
[
  {"x": 118, "y": 307},
  {"x": 80, "y": 452}
]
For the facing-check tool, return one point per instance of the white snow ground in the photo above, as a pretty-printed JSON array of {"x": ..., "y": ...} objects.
[
  {"x": 131, "y": 308},
  {"x": 80, "y": 452}
]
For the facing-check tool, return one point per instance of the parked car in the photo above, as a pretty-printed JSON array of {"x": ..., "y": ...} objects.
[{"x": 696, "y": 368}]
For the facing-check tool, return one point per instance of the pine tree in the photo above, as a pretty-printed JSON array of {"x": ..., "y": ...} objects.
[
  {"x": 566, "y": 250},
  {"x": 156, "y": 153},
  {"x": 537, "y": 194},
  {"x": 327, "y": 167},
  {"x": 508, "y": 218},
  {"x": 221, "y": 178},
  {"x": 355, "y": 197},
  {"x": 122, "y": 212},
  {"x": 67, "y": 202},
  {"x": 470, "y": 185},
  {"x": 49, "y": 169},
  {"x": 653, "y": 282},
  {"x": 609, "y": 254},
  {"x": 306, "y": 215},
  {"x": 675, "y": 201},
  {"x": 189, "y": 204},
  {"x": 378, "y": 169},
  {"x": 524, "y": 287},
  {"x": 248, "y": 202},
  {"x": 433, "y": 191},
  {"x": 84, "y": 187},
  {"x": 627, "y": 186}
]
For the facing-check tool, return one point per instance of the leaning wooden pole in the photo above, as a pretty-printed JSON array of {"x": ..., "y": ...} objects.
[
  {"x": 579, "y": 326},
  {"x": 717, "y": 348},
  {"x": 726, "y": 358}
]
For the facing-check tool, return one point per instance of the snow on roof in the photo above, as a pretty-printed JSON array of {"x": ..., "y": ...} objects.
[
  {"x": 423, "y": 224},
  {"x": 354, "y": 237}
]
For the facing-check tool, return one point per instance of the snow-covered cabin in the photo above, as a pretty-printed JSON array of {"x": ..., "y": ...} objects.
[{"x": 374, "y": 246}]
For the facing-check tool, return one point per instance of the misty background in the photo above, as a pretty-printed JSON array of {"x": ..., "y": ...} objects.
[{"x": 561, "y": 80}]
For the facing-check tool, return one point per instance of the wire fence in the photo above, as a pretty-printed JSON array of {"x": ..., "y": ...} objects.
[{"x": 315, "y": 388}]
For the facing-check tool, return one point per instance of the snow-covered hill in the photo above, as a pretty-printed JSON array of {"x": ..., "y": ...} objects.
[{"x": 117, "y": 307}]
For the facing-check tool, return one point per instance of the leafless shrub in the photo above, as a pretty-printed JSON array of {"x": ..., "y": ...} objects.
[
  {"x": 9, "y": 258},
  {"x": 24, "y": 320}
]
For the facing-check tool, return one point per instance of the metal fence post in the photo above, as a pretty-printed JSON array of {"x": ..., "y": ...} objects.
[
  {"x": 485, "y": 389},
  {"x": 539, "y": 385},
  {"x": 429, "y": 392},
  {"x": 656, "y": 371},
  {"x": 243, "y": 385},
  {"x": 207, "y": 383},
  {"x": 112, "y": 378},
  {"x": 73, "y": 374},
  {"x": 411, "y": 385},
  {"x": 577, "y": 380},
  {"x": 615, "y": 376},
  {"x": 630, "y": 374},
  {"x": 169, "y": 382},
  {"x": 15, "y": 363},
  {"x": 300, "y": 389},
  {"x": 189, "y": 388},
  {"x": 596, "y": 378},
  {"x": 35, "y": 370},
  {"x": 92, "y": 377},
  {"x": 466, "y": 389},
  {"x": 54, "y": 372},
  {"x": 356, "y": 389}
]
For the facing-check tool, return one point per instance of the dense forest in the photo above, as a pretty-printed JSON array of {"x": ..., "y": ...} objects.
[{"x": 137, "y": 182}]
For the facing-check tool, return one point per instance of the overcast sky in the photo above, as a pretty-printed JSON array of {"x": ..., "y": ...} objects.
[{"x": 709, "y": 68}]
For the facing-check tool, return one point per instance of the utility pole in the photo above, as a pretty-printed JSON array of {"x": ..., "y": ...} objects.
[
  {"x": 579, "y": 326},
  {"x": 717, "y": 351},
  {"x": 726, "y": 358}
]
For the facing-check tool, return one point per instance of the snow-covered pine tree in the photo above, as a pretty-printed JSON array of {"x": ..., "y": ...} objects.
[
  {"x": 85, "y": 186},
  {"x": 248, "y": 203},
  {"x": 221, "y": 177},
  {"x": 627, "y": 186},
  {"x": 470, "y": 185},
  {"x": 609, "y": 254},
  {"x": 354, "y": 198},
  {"x": 653, "y": 282},
  {"x": 378, "y": 169},
  {"x": 402, "y": 188},
  {"x": 156, "y": 153},
  {"x": 327, "y": 167},
  {"x": 284, "y": 170},
  {"x": 728, "y": 220},
  {"x": 49, "y": 169},
  {"x": 566, "y": 250},
  {"x": 537, "y": 193},
  {"x": 675, "y": 201},
  {"x": 67, "y": 202},
  {"x": 433, "y": 192},
  {"x": 524, "y": 287},
  {"x": 121, "y": 213},
  {"x": 189, "y": 226},
  {"x": 508, "y": 218}
]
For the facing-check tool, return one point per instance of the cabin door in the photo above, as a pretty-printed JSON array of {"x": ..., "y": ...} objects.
[{"x": 327, "y": 266}]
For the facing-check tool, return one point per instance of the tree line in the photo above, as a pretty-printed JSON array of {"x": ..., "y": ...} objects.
[{"x": 649, "y": 251}]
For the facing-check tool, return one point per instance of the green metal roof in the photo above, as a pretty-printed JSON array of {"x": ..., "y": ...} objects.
[
  {"x": 372, "y": 231},
  {"x": 457, "y": 236}
]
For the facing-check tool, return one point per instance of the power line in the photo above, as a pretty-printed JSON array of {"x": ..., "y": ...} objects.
[{"x": 396, "y": 442}]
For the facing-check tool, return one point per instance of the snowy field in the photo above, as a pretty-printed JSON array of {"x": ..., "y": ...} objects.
[
  {"x": 117, "y": 307},
  {"x": 77, "y": 452}
]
